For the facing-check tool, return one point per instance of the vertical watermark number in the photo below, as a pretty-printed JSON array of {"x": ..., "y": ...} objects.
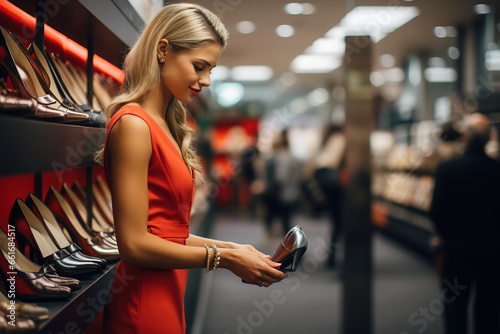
[{"x": 11, "y": 275}]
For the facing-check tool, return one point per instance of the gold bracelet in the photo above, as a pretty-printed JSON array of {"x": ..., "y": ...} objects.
[
  {"x": 216, "y": 256},
  {"x": 208, "y": 257}
]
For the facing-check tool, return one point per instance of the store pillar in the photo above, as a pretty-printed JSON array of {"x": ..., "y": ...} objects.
[{"x": 357, "y": 293}]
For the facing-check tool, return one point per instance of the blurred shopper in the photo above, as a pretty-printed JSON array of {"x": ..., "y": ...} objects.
[
  {"x": 282, "y": 177},
  {"x": 466, "y": 212},
  {"x": 325, "y": 172}
]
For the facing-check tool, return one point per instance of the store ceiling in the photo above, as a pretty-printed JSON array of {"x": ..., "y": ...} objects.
[{"x": 264, "y": 47}]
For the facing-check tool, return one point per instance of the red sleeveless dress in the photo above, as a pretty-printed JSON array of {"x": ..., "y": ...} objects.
[{"x": 146, "y": 300}]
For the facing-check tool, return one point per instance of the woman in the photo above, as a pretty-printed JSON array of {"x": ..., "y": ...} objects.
[{"x": 151, "y": 169}]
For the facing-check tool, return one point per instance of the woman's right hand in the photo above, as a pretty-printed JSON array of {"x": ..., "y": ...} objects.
[{"x": 253, "y": 267}]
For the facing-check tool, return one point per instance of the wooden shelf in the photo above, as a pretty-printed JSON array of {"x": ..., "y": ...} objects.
[{"x": 31, "y": 146}]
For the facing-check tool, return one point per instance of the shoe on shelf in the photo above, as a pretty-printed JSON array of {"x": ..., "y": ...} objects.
[
  {"x": 22, "y": 71},
  {"x": 31, "y": 232},
  {"x": 101, "y": 221},
  {"x": 27, "y": 278},
  {"x": 90, "y": 244},
  {"x": 57, "y": 234},
  {"x": 80, "y": 210},
  {"x": 57, "y": 86},
  {"x": 23, "y": 310}
]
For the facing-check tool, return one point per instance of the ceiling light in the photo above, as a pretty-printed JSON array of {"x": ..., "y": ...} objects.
[
  {"x": 251, "y": 73},
  {"x": 440, "y": 74},
  {"x": 285, "y": 30},
  {"x": 377, "y": 21},
  {"x": 453, "y": 52},
  {"x": 245, "y": 27},
  {"x": 482, "y": 9},
  {"x": 308, "y": 9},
  {"x": 293, "y": 8},
  {"x": 219, "y": 73},
  {"x": 327, "y": 46},
  {"x": 307, "y": 63},
  {"x": 318, "y": 97},
  {"x": 387, "y": 60},
  {"x": 377, "y": 78},
  {"x": 442, "y": 32},
  {"x": 229, "y": 93}
]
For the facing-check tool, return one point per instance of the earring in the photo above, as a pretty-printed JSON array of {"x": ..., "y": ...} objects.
[{"x": 162, "y": 60}]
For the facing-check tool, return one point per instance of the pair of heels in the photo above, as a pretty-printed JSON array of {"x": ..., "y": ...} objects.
[
  {"x": 31, "y": 230},
  {"x": 28, "y": 80},
  {"x": 291, "y": 249},
  {"x": 55, "y": 81},
  {"x": 72, "y": 214},
  {"x": 29, "y": 280}
]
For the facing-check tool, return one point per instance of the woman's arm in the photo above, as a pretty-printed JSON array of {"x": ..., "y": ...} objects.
[{"x": 129, "y": 149}]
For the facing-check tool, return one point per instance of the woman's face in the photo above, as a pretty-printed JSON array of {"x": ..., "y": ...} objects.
[{"x": 186, "y": 72}]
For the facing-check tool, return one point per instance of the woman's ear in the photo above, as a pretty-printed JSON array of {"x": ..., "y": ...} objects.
[{"x": 162, "y": 50}]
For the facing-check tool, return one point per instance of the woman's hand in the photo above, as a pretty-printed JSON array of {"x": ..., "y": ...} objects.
[{"x": 251, "y": 265}]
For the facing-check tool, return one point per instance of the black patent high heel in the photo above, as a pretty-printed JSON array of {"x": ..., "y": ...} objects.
[
  {"x": 26, "y": 78},
  {"x": 50, "y": 222},
  {"x": 291, "y": 249}
]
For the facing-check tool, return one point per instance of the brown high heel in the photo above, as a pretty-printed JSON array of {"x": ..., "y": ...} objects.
[
  {"x": 101, "y": 221},
  {"x": 107, "y": 236},
  {"x": 90, "y": 245},
  {"x": 29, "y": 279},
  {"x": 103, "y": 187},
  {"x": 52, "y": 226},
  {"x": 25, "y": 76}
]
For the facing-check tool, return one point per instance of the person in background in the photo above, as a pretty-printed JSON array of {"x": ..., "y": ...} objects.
[
  {"x": 466, "y": 213},
  {"x": 282, "y": 179},
  {"x": 151, "y": 168},
  {"x": 325, "y": 171}
]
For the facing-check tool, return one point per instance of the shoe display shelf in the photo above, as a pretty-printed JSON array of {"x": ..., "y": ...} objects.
[{"x": 103, "y": 30}]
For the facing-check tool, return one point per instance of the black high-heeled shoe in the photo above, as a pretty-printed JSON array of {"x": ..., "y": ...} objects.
[
  {"x": 30, "y": 231},
  {"x": 51, "y": 225},
  {"x": 25, "y": 77},
  {"x": 291, "y": 249}
]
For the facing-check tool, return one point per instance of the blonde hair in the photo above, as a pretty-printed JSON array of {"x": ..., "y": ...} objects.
[{"x": 184, "y": 26}]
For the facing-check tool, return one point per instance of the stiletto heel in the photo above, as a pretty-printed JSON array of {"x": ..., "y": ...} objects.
[
  {"x": 103, "y": 187},
  {"x": 103, "y": 224},
  {"x": 26, "y": 78},
  {"x": 30, "y": 230},
  {"x": 30, "y": 279},
  {"x": 90, "y": 245},
  {"x": 291, "y": 249},
  {"x": 57, "y": 234},
  {"x": 95, "y": 230}
]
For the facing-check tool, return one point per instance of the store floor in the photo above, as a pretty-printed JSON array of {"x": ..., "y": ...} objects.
[{"x": 406, "y": 292}]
